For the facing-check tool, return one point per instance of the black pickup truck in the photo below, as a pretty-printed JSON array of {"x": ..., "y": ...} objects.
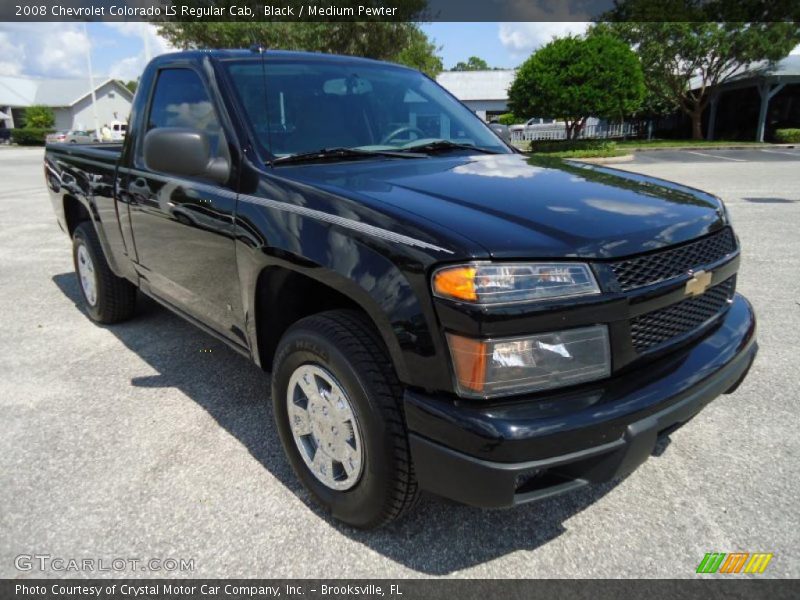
[{"x": 437, "y": 310}]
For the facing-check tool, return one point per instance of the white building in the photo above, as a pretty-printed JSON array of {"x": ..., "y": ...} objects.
[
  {"x": 485, "y": 92},
  {"x": 70, "y": 99}
]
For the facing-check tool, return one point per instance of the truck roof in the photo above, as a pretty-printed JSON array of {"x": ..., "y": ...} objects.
[{"x": 234, "y": 53}]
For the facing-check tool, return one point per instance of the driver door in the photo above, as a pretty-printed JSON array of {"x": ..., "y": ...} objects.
[{"x": 183, "y": 227}]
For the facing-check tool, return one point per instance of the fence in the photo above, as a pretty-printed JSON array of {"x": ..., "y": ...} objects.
[{"x": 558, "y": 131}]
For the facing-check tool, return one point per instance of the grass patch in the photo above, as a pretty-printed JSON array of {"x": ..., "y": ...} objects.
[
  {"x": 577, "y": 149},
  {"x": 584, "y": 153},
  {"x": 606, "y": 148}
]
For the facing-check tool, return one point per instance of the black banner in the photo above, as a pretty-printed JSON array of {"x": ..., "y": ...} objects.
[
  {"x": 248, "y": 11},
  {"x": 732, "y": 588}
]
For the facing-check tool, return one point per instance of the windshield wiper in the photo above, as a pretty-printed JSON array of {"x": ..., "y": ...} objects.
[
  {"x": 444, "y": 146},
  {"x": 341, "y": 154}
]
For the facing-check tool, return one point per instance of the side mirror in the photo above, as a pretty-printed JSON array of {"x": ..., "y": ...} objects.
[{"x": 187, "y": 152}]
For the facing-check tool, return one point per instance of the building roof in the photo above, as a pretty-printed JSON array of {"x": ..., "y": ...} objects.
[
  {"x": 477, "y": 85},
  {"x": 27, "y": 91},
  {"x": 788, "y": 67}
]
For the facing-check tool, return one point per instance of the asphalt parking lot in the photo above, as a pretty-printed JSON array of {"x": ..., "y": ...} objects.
[
  {"x": 150, "y": 439},
  {"x": 777, "y": 154}
]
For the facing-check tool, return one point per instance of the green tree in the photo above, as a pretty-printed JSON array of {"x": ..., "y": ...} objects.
[
  {"x": 573, "y": 78},
  {"x": 39, "y": 117},
  {"x": 132, "y": 85},
  {"x": 474, "y": 63},
  {"x": 683, "y": 62},
  {"x": 420, "y": 53},
  {"x": 402, "y": 42}
]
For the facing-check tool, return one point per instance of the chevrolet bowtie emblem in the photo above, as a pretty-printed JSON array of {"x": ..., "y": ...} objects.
[{"x": 698, "y": 283}]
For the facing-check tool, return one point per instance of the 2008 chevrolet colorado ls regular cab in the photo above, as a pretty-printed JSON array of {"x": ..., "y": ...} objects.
[{"x": 437, "y": 311}]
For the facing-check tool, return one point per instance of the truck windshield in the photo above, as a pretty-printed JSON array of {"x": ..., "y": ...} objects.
[{"x": 304, "y": 106}]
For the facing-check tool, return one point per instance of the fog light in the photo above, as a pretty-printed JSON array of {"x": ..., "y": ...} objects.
[{"x": 505, "y": 366}]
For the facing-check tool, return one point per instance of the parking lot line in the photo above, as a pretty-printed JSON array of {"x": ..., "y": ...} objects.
[
  {"x": 715, "y": 156},
  {"x": 796, "y": 154}
]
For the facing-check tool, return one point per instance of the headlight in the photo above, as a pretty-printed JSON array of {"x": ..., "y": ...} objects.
[
  {"x": 504, "y": 283},
  {"x": 487, "y": 368}
]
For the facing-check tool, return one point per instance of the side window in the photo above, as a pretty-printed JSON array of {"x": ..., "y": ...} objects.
[{"x": 180, "y": 100}]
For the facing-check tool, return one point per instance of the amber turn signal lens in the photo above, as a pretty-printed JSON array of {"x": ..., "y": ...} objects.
[
  {"x": 458, "y": 283},
  {"x": 469, "y": 361}
]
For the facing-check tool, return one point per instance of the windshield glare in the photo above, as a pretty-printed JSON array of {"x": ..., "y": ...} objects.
[{"x": 307, "y": 106}]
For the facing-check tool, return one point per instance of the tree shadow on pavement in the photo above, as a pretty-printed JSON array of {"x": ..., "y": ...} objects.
[{"x": 439, "y": 537}]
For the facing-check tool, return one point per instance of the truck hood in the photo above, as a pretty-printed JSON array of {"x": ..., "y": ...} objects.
[{"x": 518, "y": 207}]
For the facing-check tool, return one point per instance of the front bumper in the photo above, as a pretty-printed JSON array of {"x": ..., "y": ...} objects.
[{"x": 531, "y": 448}]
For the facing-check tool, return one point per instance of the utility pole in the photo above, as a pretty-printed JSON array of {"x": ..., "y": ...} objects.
[
  {"x": 146, "y": 41},
  {"x": 91, "y": 81}
]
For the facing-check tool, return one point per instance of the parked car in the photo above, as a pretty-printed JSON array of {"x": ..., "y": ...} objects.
[
  {"x": 118, "y": 130},
  {"x": 56, "y": 137},
  {"x": 437, "y": 312},
  {"x": 534, "y": 123},
  {"x": 81, "y": 137},
  {"x": 501, "y": 130},
  {"x": 72, "y": 136}
]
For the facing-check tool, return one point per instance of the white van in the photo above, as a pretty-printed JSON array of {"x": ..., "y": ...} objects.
[{"x": 118, "y": 129}]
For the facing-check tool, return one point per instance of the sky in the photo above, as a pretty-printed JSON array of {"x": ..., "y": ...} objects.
[
  {"x": 118, "y": 49},
  {"x": 59, "y": 49}
]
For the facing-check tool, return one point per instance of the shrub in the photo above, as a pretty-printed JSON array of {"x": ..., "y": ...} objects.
[
  {"x": 39, "y": 116},
  {"x": 546, "y": 146},
  {"x": 507, "y": 119},
  {"x": 33, "y": 136},
  {"x": 787, "y": 136}
]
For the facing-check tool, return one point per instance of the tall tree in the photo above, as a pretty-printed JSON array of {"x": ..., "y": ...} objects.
[
  {"x": 420, "y": 53},
  {"x": 400, "y": 40},
  {"x": 573, "y": 78},
  {"x": 474, "y": 63},
  {"x": 394, "y": 41},
  {"x": 684, "y": 62}
]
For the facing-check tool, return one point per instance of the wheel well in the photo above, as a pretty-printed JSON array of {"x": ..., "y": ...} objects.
[
  {"x": 283, "y": 297},
  {"x": 74, "y": 213}
]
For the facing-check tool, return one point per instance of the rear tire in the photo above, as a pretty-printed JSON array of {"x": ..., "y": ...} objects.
[
  {"x": 347, "y": 355},
  {"x": 106, "y": 297}
]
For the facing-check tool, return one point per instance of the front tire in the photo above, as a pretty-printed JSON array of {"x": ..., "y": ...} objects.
[
  {"x": 106, "y": 297},
  {"x": 338, "y": 408}
]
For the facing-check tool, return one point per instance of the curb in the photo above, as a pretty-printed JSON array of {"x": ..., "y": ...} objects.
[{"x": 601, "y": 160}]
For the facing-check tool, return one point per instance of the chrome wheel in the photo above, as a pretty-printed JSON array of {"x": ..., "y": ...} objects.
[
  {"x": 324, "y": 427},
  {"x": 86, "y": 275}
]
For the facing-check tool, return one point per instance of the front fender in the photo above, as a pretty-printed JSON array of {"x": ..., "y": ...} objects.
[{"x": 387, "y": 280}]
